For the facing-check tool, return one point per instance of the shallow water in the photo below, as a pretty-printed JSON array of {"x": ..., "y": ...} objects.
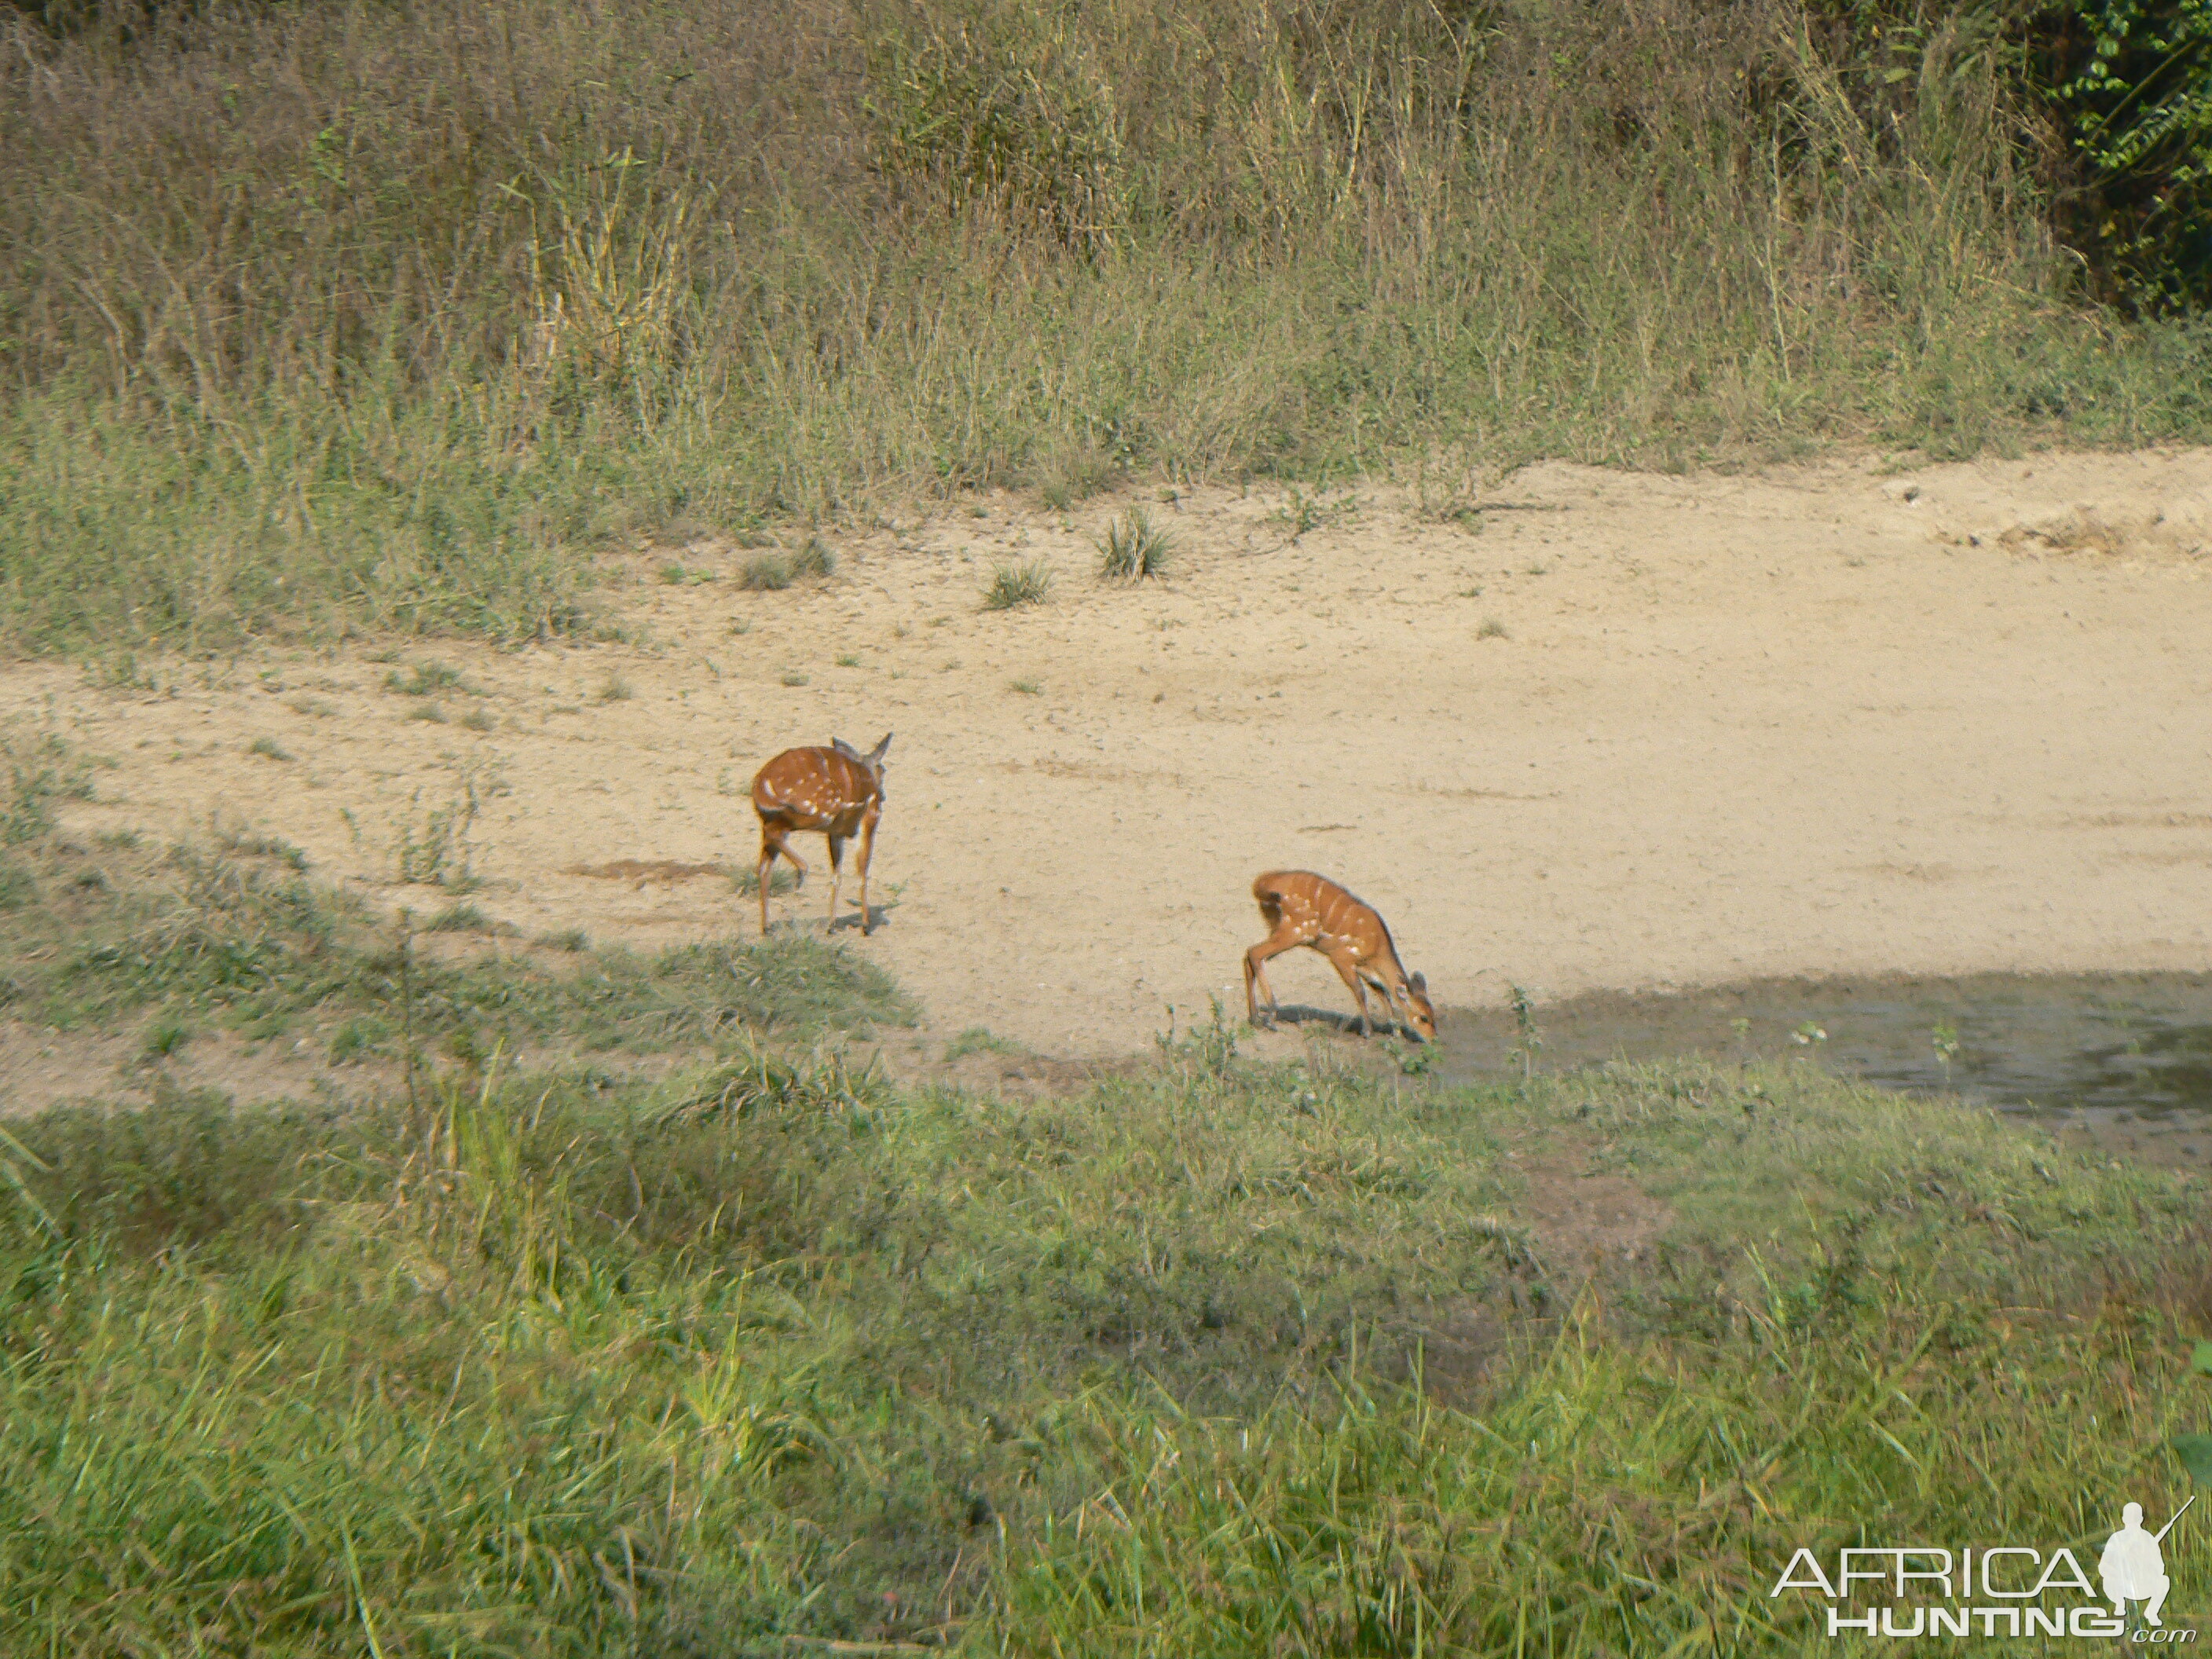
[{"x": 2126, "y": 1056}]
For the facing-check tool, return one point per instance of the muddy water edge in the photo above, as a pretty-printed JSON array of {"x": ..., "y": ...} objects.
[{"x": 2123, "y": 1060}]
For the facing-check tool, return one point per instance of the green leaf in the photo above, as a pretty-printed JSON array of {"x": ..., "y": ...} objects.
[
  {"x": 2200, "y": 1361},
  {"x": 2195, "y": 1451}
]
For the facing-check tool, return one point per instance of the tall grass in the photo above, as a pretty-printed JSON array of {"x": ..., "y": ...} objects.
[
  {"x": 770, "y": 1348},
  {"x": 353, "y": 314}
]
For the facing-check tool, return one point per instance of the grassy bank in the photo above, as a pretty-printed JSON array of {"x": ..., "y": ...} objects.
[
  {"x": 344, "y": 315},
  {"x": 752, "y": 1353}
]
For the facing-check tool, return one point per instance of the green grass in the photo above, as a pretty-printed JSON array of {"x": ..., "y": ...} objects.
[
  {"x": 1016, "y": 585},
  {"x": 238, "y": 936},
  {"x": 780, "y": 881},
  {"x": 471, "y": 340},
  {"x": 1135, "y": 549},
  {"x": 978, "y": 1040},
  {"x": 424, "y": 679},
  {"x": 770, "y": 1347},
  {"x": 462, "y": 918}
]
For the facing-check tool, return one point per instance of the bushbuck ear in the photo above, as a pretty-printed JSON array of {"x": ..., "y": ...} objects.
[
  {"x": 1420, "y": 984},
  {"x": 844, "y": 748},
  {"x": 876, "y": 758}
]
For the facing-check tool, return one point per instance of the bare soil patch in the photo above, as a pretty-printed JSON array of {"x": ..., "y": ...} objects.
[{"x": 1668, "y": 731}]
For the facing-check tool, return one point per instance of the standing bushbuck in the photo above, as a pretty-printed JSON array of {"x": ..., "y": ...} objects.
[
  {"x": 838, "y": 790},
  {"x": 1305, "y": 909}
]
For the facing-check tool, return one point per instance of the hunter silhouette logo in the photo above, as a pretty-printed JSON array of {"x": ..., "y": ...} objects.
[{"x": 2133, "y": 1567}]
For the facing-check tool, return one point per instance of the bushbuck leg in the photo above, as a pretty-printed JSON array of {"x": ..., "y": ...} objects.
[
  {"x": 1287, "y": 936},
  {"x": 867, "y": 852},
  {"x": 1341, "y": 959},
  {"x": 836, "y": 877},
  {"x": 775, "y": 840}
]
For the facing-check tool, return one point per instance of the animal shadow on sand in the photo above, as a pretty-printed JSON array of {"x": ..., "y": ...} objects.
[
  {"x": 878, "y": 915},
  {"x": 1299, "y": 1013}
]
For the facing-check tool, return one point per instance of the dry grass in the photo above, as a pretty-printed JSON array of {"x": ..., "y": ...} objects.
[{"x": 333, "y": 315}]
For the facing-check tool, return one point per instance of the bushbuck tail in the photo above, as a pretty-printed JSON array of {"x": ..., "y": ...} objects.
[
  {"x": 1305, "y": 909},
  {"x": 838, "y": 790}
]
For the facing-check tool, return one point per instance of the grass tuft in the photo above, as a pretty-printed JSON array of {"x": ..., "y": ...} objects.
[
  {"x": 1135, "y": 549},
  {"x": 781, "y": 880},
  {"x": 1013, "y": 584},
  {"x": 424, "y": 679},
  {"x": 165, "y": 1037},
  {"x": 766, "y": 573},
  {"x": 462, "y": 918},
  {"x": 978, "y": 1040}
]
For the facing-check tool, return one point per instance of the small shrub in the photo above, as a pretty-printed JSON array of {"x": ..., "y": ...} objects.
[
  {"x": 478, "y": 719},
  {"x": 1027, "y": 688},
  {"x": 1302, "y": 513},
  {"x": 1135, "y": 548},
  {"x": 614, "y": 688},
  {"x": 674, "y": 575},
  {"x": 1017, "y": 584},
  {"x": 357, "y": 1037},
  {"x": 18, "y": 887},
  {"x": 268, "y": 748},
  {"x": 436, "y": 852},
  {"x": 428, "y": 711},
  {"x": 794, "y": 678},
  {"x": 424, "y": 679},
  {"x": 814, "y": 559},
  {"x": 460, "y": 919},
  {"x": 1491, "y": 629},
  {"x": 978, "y": 1040},
  {"x": 254, "y": 844},
  {"x": 165, "y": 1036},
  {"x": 765, "y": 573},
  {"x": 37, "y": 773},
  {"x": 571, "y": 939}
]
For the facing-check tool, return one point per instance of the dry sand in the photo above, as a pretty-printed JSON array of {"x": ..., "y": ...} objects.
[{"x": 1821, "y": 720}]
